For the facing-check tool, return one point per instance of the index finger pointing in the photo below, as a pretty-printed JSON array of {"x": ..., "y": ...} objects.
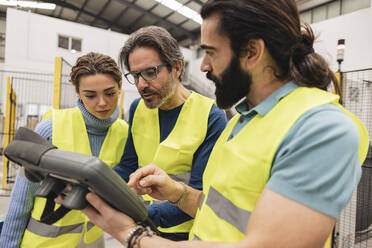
[{"x": 136, "y": 176}]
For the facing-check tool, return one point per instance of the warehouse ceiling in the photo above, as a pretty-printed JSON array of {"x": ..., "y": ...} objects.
[{"x": 126, "y": 16}]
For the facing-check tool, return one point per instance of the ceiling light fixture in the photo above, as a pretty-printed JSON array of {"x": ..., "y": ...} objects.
[
  {"x": 182, "y": 9},
  {"x": 28, "y": 4}
]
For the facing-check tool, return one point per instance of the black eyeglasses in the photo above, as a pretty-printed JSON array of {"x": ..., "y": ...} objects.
[{"x": 148, "y": 74}]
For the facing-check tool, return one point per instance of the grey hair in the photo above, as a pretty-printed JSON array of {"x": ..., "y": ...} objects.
[{"x": 157, "y": 38}]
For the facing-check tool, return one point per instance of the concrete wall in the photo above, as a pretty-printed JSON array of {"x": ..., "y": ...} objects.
[
  {"x": 31, "y": 41},
  {"x": 355, "y": 28},
  {"x": 31, "y": 45}
]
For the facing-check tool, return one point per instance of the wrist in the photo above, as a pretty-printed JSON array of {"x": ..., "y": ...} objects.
[
  {"x": 141, "y": 242},
  {"x": 129, "y": 234},
  {"x": 176, "y": 192},
  {"x": 124, "y": 234},
  {"x": 135, "y": 235},
  {"x": 181, "y": 192}
]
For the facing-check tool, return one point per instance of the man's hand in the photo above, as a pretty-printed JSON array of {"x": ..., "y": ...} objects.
[
  {"x": 155, "y": 182},
  {"x": 108, "y": 219}
]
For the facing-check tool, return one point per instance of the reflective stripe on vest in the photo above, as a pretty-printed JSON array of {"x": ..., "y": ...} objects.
[
  {"x": 238, "y": 169},
  {"x": 196, "y": 238},
  {"x": 174, "y": 154},
  {"x": 227, "y": 211},
  {"x": 183, "y": 177},
  {"x": 51, "y": 231},
  {"x": 90, "y": 225},
  {"x": 69, "y": 133},
  {"x": 201, "y": 200}
]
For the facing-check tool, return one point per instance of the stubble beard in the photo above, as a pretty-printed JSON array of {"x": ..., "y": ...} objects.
[{"x": 164, "y": 94}]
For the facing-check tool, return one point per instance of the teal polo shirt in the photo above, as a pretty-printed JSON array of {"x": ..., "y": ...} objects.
[{"x": 317, "y": 163}]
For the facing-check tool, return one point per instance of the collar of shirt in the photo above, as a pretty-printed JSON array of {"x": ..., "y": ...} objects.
[{"x": 266, "y": 105}]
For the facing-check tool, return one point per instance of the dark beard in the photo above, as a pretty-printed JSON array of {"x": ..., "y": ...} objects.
[{"x": 233, "y": 85}]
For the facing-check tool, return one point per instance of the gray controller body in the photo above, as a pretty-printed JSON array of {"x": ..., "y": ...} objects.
[{"x": 57, "y": 168}]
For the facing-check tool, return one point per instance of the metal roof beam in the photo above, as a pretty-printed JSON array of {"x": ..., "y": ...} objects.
[
  {"x": 181, "y": 23},
  {"x": 199, "y": 2},
  {"x": 75, "y": 8},
  {"x": 101, "y": 11},
  {"x": 61, "y": 10},
  {"x": 157, "y": 18},
  {"x": 129, "y": 5},
  {"x": 171, "y": 13},
  {"x": 79, "y": 13},
  {"x": 114, "y": 22},
  {"x": 304, "y": 5},
  {"x": 130, "y": 26}
]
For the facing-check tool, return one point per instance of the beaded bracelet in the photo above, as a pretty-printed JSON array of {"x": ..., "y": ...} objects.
[
  {"x": 135, "y": 235},
  {"x": 183, "y": 196},
  {"x": 130, "y": 235},
  {"x": 146, "y": 232}
]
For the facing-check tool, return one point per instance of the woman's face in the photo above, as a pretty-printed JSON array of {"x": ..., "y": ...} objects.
[{"x": 99, "y": 94}]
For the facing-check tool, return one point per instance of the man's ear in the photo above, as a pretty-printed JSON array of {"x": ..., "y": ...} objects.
[
  {"x": 177, "y": 68},
  {"x": 252, "y": 53}
]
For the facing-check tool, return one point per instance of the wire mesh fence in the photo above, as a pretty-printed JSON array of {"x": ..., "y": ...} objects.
[
  {"x": 68, "y": 94},
  {"x": 354, "y": 229},
  {"x": 34, "y": 93},
  {"x": 34, "y": 97}
]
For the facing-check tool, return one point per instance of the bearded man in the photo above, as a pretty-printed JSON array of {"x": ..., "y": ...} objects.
[{"x": 284, "y": 167}]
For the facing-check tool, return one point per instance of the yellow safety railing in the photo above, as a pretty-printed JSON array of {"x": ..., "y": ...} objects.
[
  {"x": 339, "y": 84},
  {"x": 9, "y": 126},
  {"x": 121, "y": 104},
  {"x": 57, "y": 82},
  {"x": 24, "y": 83},
  {"x": 338, "y": 77}
]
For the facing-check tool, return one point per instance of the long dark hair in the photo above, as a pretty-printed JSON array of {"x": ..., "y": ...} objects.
[{"x": 277, "y": 23}]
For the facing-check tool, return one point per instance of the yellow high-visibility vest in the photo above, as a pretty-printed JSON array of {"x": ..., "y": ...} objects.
[
  {"x": 238, "y": 169},
  {"x": 174, "y": 154},
  {"x": 69, "y": 133}
]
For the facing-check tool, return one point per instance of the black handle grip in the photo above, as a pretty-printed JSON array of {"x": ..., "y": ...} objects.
[{"x": 76, "y": 198}]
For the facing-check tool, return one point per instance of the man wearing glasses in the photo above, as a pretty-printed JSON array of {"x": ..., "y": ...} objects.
[{"x": 169, "y": 126}]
